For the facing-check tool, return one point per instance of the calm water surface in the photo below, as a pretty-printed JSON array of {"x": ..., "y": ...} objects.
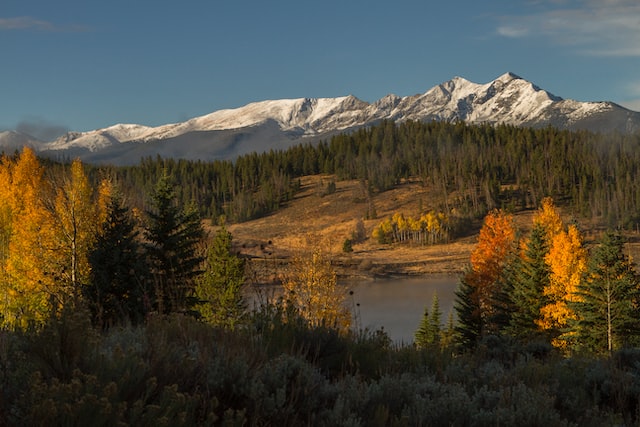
[
  {"x": 398, "y": 304},
  {"x": 395, "y": 304}
]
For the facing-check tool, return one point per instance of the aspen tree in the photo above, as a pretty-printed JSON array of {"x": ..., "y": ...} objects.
[
  {"x": 567, "y": 261},
  {"x": 311, "y": 287},
  {"x": 77, "y": 220},
  {"x": 31, "y": 290},
  {"x": 477, "y": 302}
]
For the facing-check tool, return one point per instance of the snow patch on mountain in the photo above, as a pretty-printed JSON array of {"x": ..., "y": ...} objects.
[{"x": 508, "y": 99}]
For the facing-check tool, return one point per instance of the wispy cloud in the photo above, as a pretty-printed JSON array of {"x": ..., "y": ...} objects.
[
  {"x": 594, "y": 27},
  {"x": 30, "y": 23}
]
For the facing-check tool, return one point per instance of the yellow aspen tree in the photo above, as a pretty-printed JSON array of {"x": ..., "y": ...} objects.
[
  {"x": 398, "y": 222},
  {"x": 415, "y": 226},
  {"x": 431, "y": 225},
  {"x": 383, "y": 232},
  {"x": 6, "y": 226},
  {"x": 567, "y": 261},
  {"x": 311, "y": 287},
  {"x": 104, "y": 205},
  {"x": 30, "y": 290},
  {"x": 77, "y": 220},
  {"x": 6, "y": 220},
  {"x": 549, "y": 218}
]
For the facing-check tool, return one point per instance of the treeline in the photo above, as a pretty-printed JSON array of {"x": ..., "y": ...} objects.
[
  {"x": 427, "y": 229},
  {"x": 66, "y": 244},
  {"x": 547, "y": 288},
  {"x": 472, "y": 168},
  {"x": 248, "y": 188}
]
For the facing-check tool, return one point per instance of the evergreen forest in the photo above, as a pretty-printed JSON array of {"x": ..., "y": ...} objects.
[
  {"x": 474, "y": 167},
  {"x": 118, "y": 308}
]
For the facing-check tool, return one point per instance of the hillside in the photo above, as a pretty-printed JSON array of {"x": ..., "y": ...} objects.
[{"x": 270, "y": 241}]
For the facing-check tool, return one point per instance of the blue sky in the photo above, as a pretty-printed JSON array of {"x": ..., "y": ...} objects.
[{"x": 83, "y": 64}]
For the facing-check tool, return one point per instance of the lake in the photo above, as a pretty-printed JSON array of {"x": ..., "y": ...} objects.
[{"x": 397, "y": 304}]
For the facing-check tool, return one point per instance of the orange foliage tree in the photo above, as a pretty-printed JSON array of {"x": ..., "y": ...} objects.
[{"x": 496, "y": 243}]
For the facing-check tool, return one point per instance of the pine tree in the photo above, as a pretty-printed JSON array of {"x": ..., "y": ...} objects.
[
  {"x": 448, "y": 334},
  {"x": 528, "y": 275},
  {"x": 172, "y": 238},
  {"x": 430, "y": 327},
  {"x": 436, "y": 319},
  {"x": 115, "y": 292},
  {"x": 421, "y": 337},
  {"x": 607, "y": 300},
  {"x": 219, "y": 288},
  {"x": 469, "y": 328}
]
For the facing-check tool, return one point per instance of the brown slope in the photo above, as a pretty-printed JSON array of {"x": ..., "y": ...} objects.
[{"x": 269, "y": 241}]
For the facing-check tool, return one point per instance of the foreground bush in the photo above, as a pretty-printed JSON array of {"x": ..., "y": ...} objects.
[{"x": 178, "y": 371}]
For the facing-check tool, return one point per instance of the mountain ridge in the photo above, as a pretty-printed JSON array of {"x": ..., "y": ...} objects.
[{"x": 278, "y": 124}]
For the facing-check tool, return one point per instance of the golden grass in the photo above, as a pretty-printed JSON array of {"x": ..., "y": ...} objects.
[{"x": 270, "y": 241}]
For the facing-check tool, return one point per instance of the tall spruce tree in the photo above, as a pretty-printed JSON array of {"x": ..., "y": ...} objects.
[
  {"x": 527, "y": 277},
  {"x": 608, "y": 299},
  {"x": 469, "y": 328},
  {"x": 219, "y": 288},
  {"x": 115, "y": 292},
  {"x": 172, "y": 238},
  {"x": 430, "y": 328}
]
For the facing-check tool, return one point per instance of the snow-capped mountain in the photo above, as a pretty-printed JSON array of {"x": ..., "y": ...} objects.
[{"x": 278, "y": 124}]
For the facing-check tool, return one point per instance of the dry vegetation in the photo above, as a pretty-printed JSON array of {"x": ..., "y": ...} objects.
[{"x": 270, "y": 241}]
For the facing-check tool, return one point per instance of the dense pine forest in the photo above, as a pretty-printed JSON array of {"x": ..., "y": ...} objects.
[
  {"x": 117, "y": 309},
  {"x": 475, "y": 167}
]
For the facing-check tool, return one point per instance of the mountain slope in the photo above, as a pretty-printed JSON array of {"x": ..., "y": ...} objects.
[{"x": 278, "y": 124}]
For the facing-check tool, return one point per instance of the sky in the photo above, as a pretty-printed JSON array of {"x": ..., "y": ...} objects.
[{"x": 82, "y": 64}]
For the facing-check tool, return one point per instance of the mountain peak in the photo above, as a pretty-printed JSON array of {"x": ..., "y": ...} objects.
[
  {"x": 279, "y": 124},
  {"x": 508, "y": 76}
]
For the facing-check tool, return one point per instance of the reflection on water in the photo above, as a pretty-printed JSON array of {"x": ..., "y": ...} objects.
[{"x": 398, "y": 304}]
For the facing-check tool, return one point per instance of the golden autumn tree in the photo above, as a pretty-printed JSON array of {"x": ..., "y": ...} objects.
[
  {"x": 47, "y": 227},
  {"x": 477, "y": 303},
  {"x": 495, "y": 242},
  {"x": 29, "y": 289},
  {"x": 549, "y": 218},
  {"x": 77, "y": 219},
  {"x": 567, "y": 261},
  {"x": 311, "y": 287},
  {"x": 6, "y": 220},
  {"x": 528, "y": 275}
]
